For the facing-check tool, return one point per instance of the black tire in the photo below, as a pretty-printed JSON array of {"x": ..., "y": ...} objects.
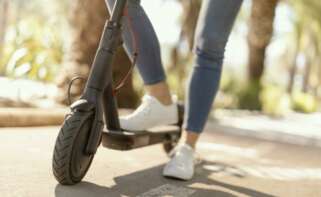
[
  {"x": 70, "y": 164},
  {"x": 169, "y": 145}
]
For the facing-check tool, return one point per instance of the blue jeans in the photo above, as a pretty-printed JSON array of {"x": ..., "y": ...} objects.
[{"x": 213, "y": 29}]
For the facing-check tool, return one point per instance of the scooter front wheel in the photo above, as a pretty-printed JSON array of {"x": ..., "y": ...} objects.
[{"x": 70, "y": 163}]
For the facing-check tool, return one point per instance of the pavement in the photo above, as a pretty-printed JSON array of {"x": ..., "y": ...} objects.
[
  {"x": 232, "y": 166},
  {"x": 294, "y": 128}
]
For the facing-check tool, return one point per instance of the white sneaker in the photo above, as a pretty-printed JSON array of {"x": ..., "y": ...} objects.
[
  {"x": 182, "y": 164},
  {"x": 150, "y": 113}
]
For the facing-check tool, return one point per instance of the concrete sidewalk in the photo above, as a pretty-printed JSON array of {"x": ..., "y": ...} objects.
[
  {"x": 232, "y": 166},
  {"x": 294, "y": 128}
]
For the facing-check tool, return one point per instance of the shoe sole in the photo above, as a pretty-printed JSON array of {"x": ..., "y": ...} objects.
[{"x": 176, "y": 177}]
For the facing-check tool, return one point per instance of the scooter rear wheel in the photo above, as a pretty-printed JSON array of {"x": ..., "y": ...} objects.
[
  {"x": 70, "y": 163},
  {"x": 169, "y": 145}
]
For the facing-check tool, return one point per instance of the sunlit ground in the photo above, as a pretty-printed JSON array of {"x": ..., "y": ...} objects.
[
  {"x": 229, "y": 166},
  {"x": 260, "y": 168}
]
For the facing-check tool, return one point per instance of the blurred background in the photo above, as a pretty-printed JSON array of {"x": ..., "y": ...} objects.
[
  {"x": 268, "y": 105},
  {"x": 272, "y": 65}
]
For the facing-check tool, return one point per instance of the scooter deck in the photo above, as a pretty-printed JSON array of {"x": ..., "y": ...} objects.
[{"x": 127, "y": 140}]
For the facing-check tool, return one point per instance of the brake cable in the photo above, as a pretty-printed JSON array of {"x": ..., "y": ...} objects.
[
  {"x": 122, "y": 82},
  {"x": 135, "y": 54}
]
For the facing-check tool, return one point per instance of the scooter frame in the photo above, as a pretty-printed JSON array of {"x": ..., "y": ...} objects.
[{"x": 82, "y": 131}]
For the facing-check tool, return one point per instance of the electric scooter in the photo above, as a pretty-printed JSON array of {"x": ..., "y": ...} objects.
[{"x": 83, "y": 129}]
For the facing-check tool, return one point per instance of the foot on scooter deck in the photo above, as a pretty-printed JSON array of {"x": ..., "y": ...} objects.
[{"x": 127, "y": 140}]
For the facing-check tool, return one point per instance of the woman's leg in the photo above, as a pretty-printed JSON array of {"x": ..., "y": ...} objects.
[
  {"x": 213, "y": 29},
  {"x": 149, "y": 62}
]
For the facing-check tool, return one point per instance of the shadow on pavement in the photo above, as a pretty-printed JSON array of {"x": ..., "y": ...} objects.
[{"x": 150, "y": 183}]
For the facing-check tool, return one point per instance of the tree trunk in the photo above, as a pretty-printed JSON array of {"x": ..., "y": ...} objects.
[
  {"x": 259, "y": 36},
  {"x": 260, "y": 33},
  {"x": 179, "y": 58},
  {"x": 87, "y": 20},
  {"x": 4, "y": 8},
  {"x": 293, "y": 71},
  {"x": 189, "y": 18},
  {"x": 190, "y": 14},
  {"x": 294, "y": 68},
  {"x": 319, "y": 84},
  {"x": 306, "y": 76}
]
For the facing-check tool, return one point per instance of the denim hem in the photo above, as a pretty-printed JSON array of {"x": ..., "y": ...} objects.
[{"x": 154, "y": 81}]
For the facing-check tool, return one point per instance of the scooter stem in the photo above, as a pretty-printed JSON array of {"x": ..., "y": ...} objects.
[
  {"x": 100, "y": 78},
  {"x": 101, "y": 71}
]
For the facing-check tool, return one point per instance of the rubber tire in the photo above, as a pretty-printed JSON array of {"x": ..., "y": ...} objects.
[
  {"x": 64, "y": 149},
  {"x": 168, "y": 146}
]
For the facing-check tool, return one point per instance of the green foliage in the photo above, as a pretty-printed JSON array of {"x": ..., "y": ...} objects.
[
  {"x": 35, "y": 39},
  {"x": 270, "y": 99},
  {"x": 33, "y": 49},
  {"x": 229, "y": 90},
  {"x": 303, "y": 102},
  {"x": 275, "y": 101},
  {"x": 228, "y": 83},
  {"x": 306, "y": 37},
  {"x": 249, "y": 96}
]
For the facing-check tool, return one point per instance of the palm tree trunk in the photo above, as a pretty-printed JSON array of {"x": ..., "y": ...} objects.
[
  {"x": 294, "y": 68},
  {"x": 87, "y": 20},
  {"x": 319, "y": 84},
  {"x": 189, "y": 18},
  {"x": 306, "y": 76},
  {"x": 293, "y": 71},
  {"x": 260, "y": 33},
  {"x": 259, "y": 36}
]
